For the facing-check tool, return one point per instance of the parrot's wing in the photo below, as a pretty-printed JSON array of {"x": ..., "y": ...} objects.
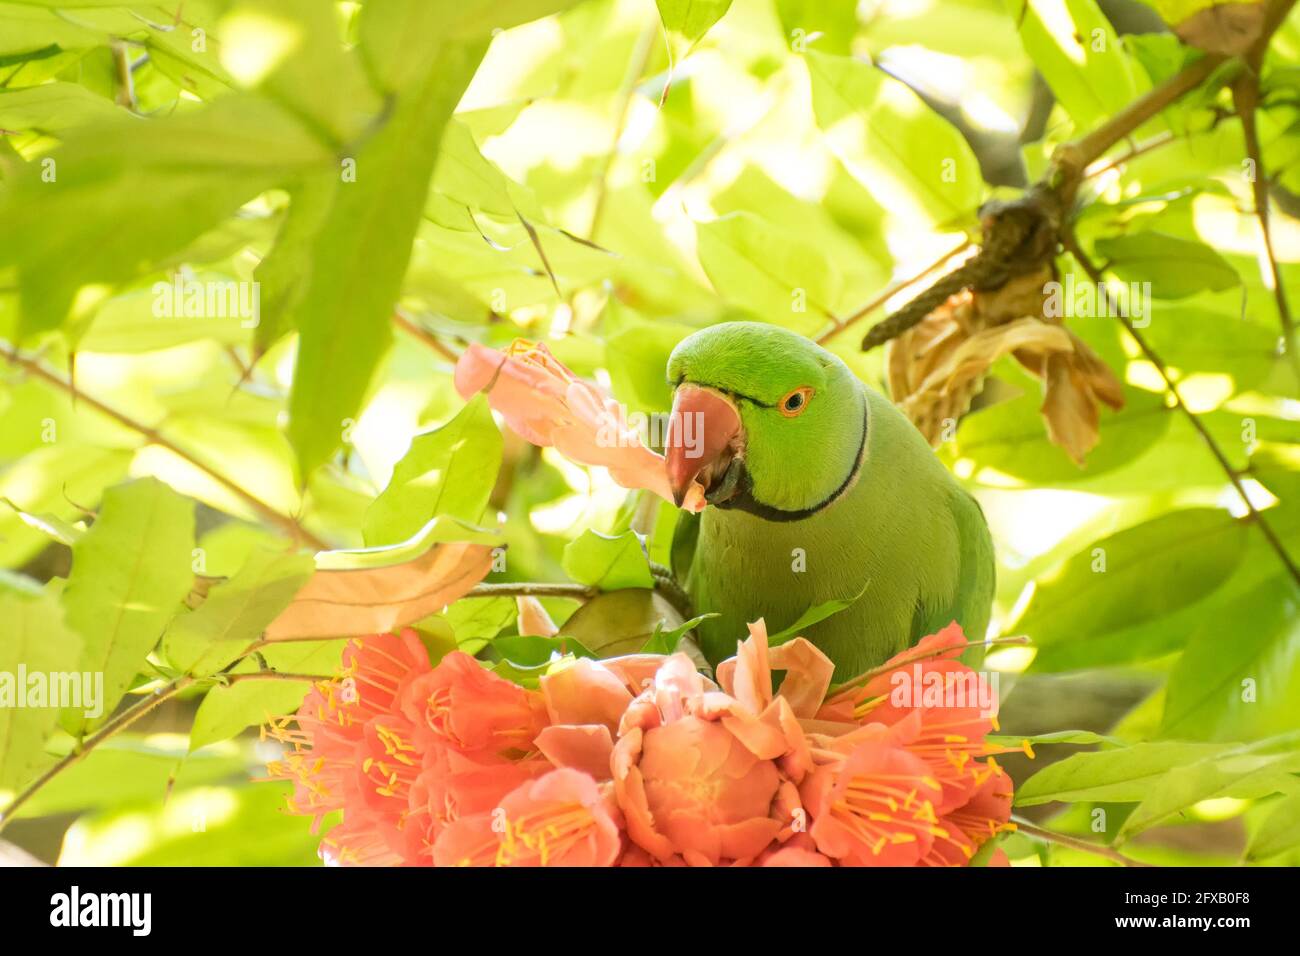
[
  {"x": 978, "y": 576},
  {"x": 682, "y": 553},
  {"x": 972, "y": 602}
]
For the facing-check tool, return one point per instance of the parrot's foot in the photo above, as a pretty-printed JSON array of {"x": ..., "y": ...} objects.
[{"x": 672, "y": 592}]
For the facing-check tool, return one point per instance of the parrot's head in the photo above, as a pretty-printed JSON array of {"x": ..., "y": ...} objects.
[{"x": 763, "y": 421}]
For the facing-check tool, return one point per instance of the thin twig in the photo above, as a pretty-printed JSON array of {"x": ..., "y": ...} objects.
[
  {"x": 123, "y": 720},
  {"x": 1072, "y": 159},
  {"x": 272, "y": 675},
  {"x": 580, "y": 592},
  {"x": 1072, "y": 245},
  {"x": 154, "y": 437},
  {"x": 893, "y": 290},
  {"x": 424, "y": 336},
  {"x": 1020, "y": 235},
  {"x": 1245, "y": 96},
  {"x": 636, "y": 66},
  {"x": 1074, "y": 843},
  {"x": 1141, "y": 149},
  {"x": 125, "y": 95}
]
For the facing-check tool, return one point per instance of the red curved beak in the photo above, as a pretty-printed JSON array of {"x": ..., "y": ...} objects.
[{"x": 703, "y": 432}]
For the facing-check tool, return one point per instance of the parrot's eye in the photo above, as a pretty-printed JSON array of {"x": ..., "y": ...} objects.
[{"x": 795, "y": 402}]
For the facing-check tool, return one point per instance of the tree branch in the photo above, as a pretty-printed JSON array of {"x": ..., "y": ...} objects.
[
  {"x": 1245, "y": 96},
  {"x": 1070, "y": 160},
  {"x": 154, "y": 437},
  {"x": 1021, "y": 234},
  {"x": 1255, "y": 516},
  {"x": 424, "y": 336},
  {"x": 636, "y": 66},
  {"x": 1074, "y": 843},
  {"x": 119, "y": 723},
  {"x": 841, "y": 324}
]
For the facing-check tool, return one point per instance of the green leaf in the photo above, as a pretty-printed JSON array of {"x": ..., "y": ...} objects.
[
  {"x": 362, "y": 251},
  {"x": 522, "y": 675},
  {"x": 636, "y": 356},
  {"x": 229, "y": 709},
  {"x": 1010, "y": 439},
  {"x": 235, "y": 613},
  {"x": 665, "y": 640},
  {"x": 913, "y": 160},
  {"x": 284, "y": 273},
  {"x": 45, "y": 478},
  {"x": 1119, "y": 776},
  {"x": 621, "y": 622},
  {"x": 534, "y": 650},
  {"x": 1077, "y": 51},
  {"x": 127, "y": 768},
  {"x": 468, "y": 179},
  {"x": 1242, "y": 684},
  {"x": 778, "y": 276},
  {"x": 128, "y": 323},
  {"x": 28, "y": 30},
  {"x": 318, "y": 79},
  {"x": 818, "y": 612},
  {"x": 448, "y": 471},
  {"x": 1078, "y": 738},
  {"x": 1277, "y": 468},
  {"x": 1138, "y": 575},
  {"x": 1175, "y": 267},
  {"x": 171, "y": 179},
  {"x": 36, "y": 642},
  {"x": 1243, "y": 772},
  {"x": 475, "y": 621},
  {"x": 200, "y": 72},
  {"x": 691, "y": 18},
  {"x": 609, "y": 563},
  {"x": 130, "y": 572},
  {"x": 831, "y": 26},
  {"x": 1279, "y": 832},
  {"x": 53, "y": 107},
  {"x": 54, "y": 527}
]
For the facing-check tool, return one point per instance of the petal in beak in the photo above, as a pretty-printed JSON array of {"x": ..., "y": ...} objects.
[{"x": 704, "y": 432}]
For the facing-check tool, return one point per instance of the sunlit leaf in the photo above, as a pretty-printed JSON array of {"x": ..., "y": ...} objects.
[
  {"x": 1174, "y": 267},
  {"x": 37, "y": 642},
  {"x": 609, "y": 563},
  {"x": 234, "y": 613},
  {"x": 130, "y": 572},
  {"x": 448, "y": 471}
]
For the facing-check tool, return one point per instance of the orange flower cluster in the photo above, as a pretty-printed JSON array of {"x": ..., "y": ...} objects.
[{"x": 643, "y": 761}]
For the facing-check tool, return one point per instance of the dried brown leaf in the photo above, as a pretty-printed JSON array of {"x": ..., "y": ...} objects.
[
  {"x": 1226, "y": 28},
  {"x": 372, "y": 597},
  {"x": 937, "y": 368}
]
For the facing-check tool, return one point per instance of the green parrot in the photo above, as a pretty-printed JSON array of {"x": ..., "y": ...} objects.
[{"x": 817, "y": 488}]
